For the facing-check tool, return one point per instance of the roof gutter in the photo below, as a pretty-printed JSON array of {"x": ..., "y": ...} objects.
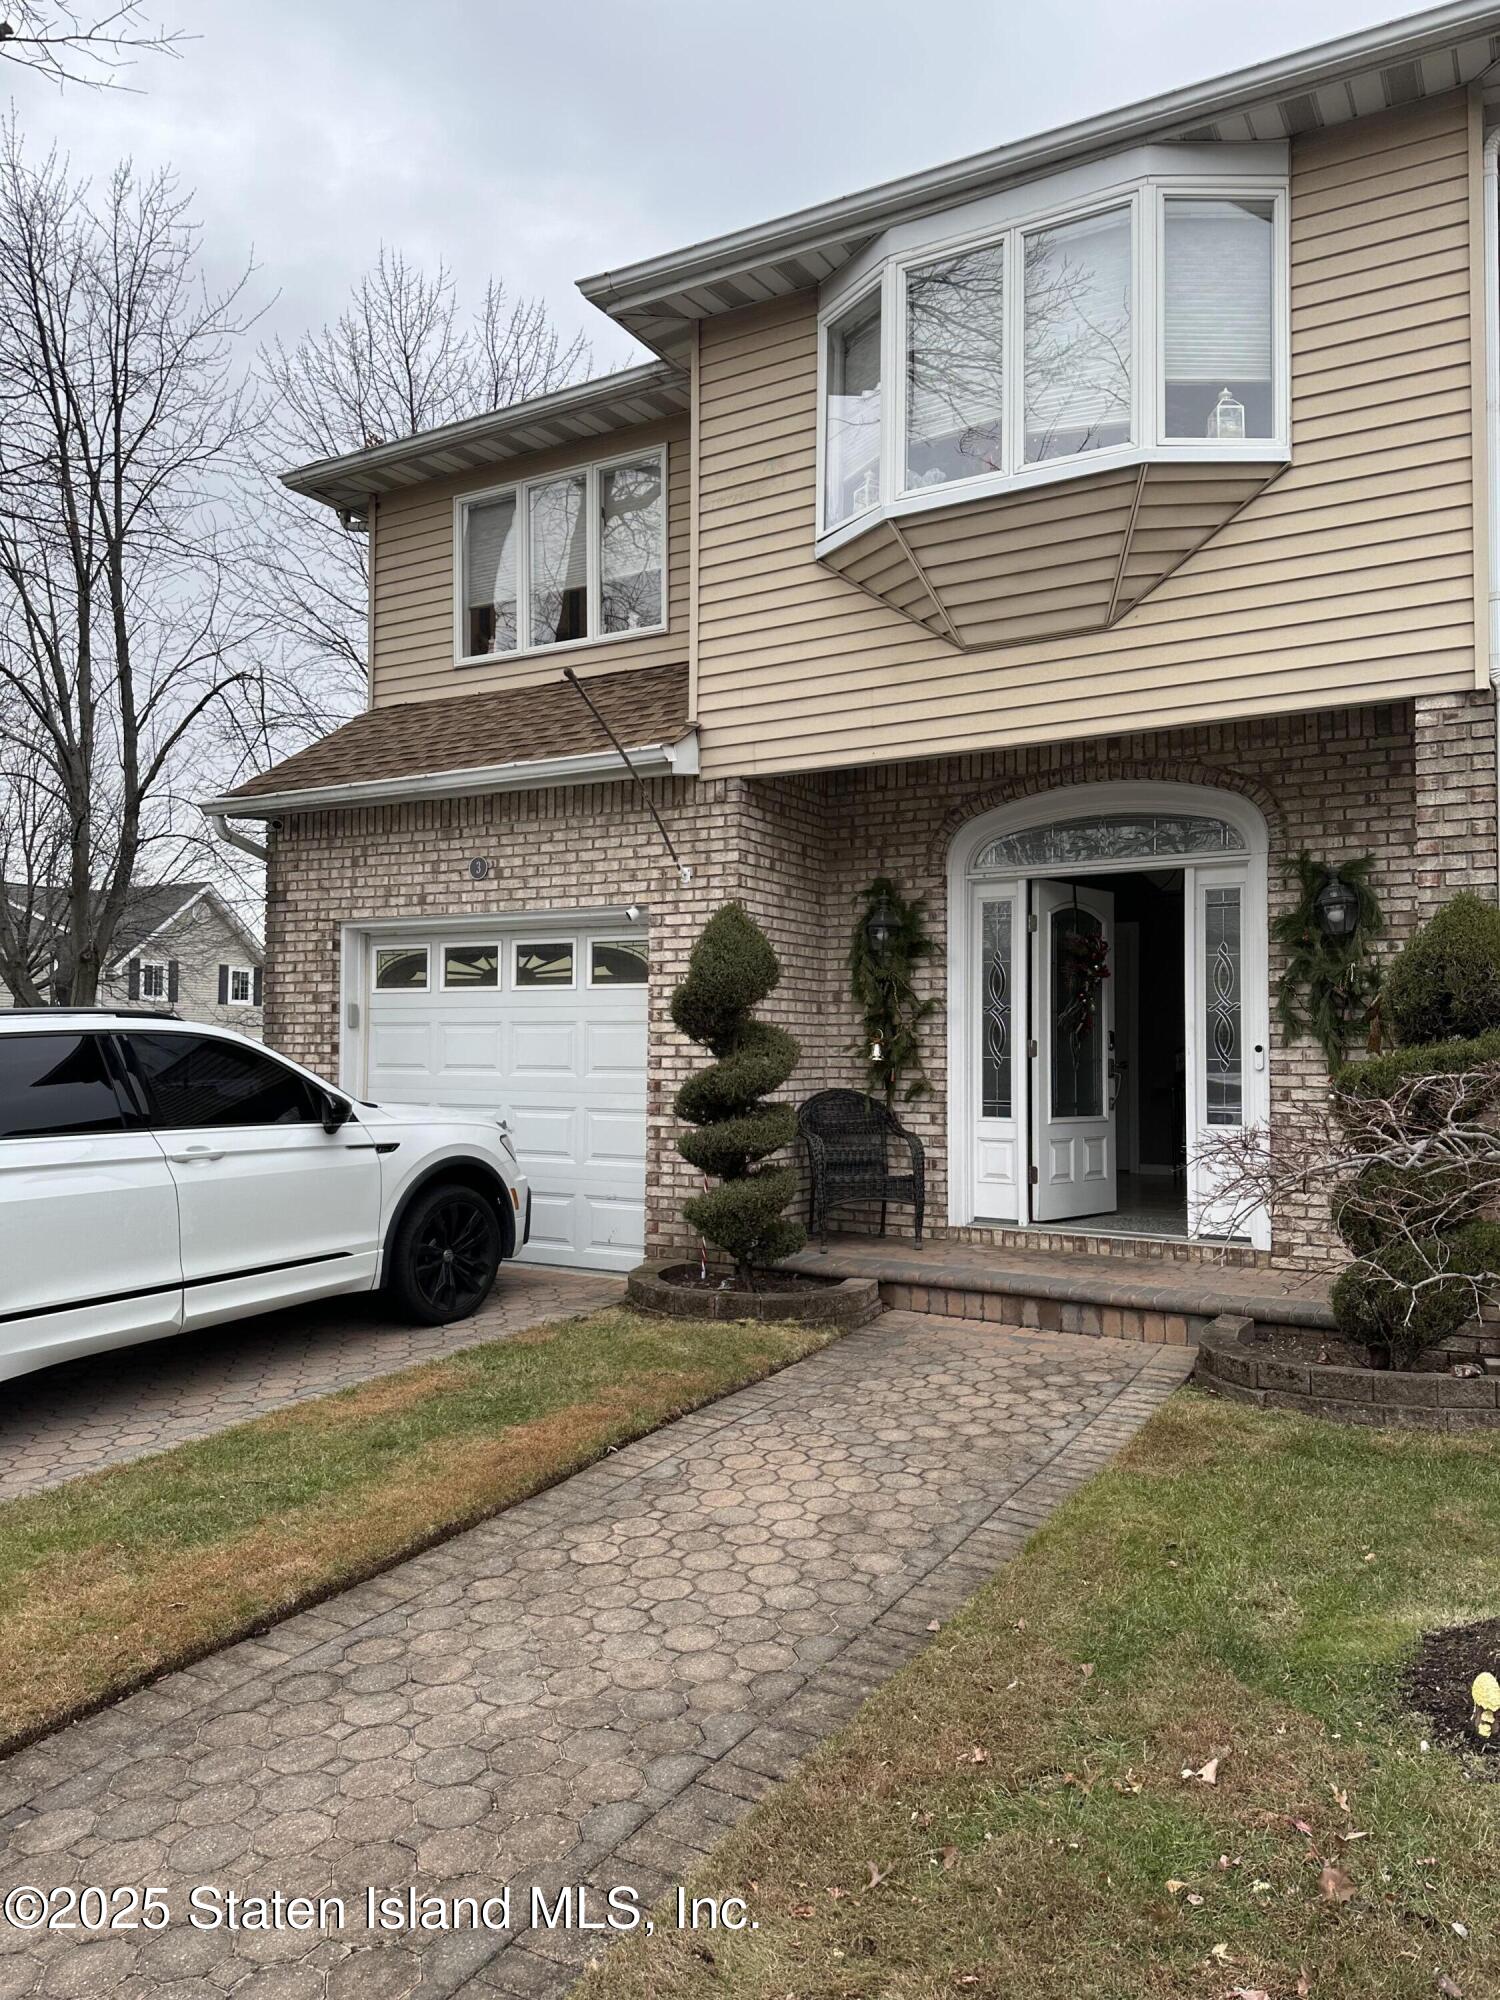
[
  {"x": 652, "y": 760},
  {"x": 877, "y": 208}
]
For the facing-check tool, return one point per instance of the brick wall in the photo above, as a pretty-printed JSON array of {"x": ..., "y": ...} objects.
[{"x": 1412, "y": 784}]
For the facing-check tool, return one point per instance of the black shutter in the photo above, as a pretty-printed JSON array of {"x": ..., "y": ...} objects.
[
  {"x": 260, "y": 986},
  {"x": 172, "y": 981},
  {"x": 223, "y": 985},
  {"x": 135, "y": 979}
]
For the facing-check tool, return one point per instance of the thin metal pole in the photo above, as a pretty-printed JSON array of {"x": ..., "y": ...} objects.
[{"x": 682, "y": 867}]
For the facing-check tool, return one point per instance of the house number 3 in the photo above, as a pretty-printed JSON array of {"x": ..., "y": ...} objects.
[{"x": 478, "y": 869}]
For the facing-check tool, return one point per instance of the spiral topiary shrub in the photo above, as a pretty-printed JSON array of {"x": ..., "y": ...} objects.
[
  {"x": 1384, "y": 1202},
  {"x": 1412, "y": 1293},
  {"x": 731, "y": 970},
  {"x": 1445, "y": 981}
]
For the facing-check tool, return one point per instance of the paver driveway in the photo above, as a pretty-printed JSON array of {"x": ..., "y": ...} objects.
[
  {"x": 87, "y": 1414},
  {"x": 586, "y": 1689}
]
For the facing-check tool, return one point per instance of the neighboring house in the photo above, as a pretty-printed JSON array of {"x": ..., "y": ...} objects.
[
  {"x": 181, "y": 949},
  {"x": 1075, "y": 534}
]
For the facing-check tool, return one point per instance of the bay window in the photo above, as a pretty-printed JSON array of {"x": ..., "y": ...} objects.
[
  {"x": 1219, "y": 259},
  {"x": 1077, "y": 342},
  {"x": 1147, "y": 324},
  {"x": 955, "y": 367},
  {"x": 851, "y": 435},
  {"x": 565, "y": 560}
]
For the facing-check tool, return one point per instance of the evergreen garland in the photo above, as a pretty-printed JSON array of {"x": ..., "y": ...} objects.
[
  {"x": 884, "y": 991},
  {"x": 1330, "y": 988}
]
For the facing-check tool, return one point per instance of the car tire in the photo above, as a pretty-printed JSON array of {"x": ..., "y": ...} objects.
[{"x": 445, "y": 1255}]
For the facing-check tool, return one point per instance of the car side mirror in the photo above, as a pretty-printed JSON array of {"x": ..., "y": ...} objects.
[{"x": 336, "y": 1111}]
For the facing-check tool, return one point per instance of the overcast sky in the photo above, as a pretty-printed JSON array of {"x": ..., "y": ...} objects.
[{"x": 542, "y": 140}]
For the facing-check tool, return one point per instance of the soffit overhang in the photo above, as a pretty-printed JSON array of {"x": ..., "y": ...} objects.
[{"x": 660, "y": 299}]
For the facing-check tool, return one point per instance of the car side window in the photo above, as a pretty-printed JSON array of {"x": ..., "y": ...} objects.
[
  {"x": 198, "y": 1080},
  {"x": 53, "y": 1084}
]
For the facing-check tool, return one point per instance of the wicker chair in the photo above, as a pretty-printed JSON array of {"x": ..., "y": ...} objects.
[{"x": 849, "y": 1138}]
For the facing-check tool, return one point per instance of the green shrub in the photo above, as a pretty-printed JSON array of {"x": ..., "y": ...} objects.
[
  {"x": 1419, "y": 1200},
  {"x": 1378, "y": 1077},
  {"x": 1445, "y": 981},
  {"x": 731, "y": 970},
  {"x": 1382, "y": 1301}
]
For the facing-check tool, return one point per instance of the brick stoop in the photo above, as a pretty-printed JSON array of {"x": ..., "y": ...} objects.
[{"x": 1118, "y": 1297}]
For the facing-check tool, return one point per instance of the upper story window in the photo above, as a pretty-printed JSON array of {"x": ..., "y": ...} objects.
[
  {"x": 563, "y": 561},
  {"x": 1146, "y": 322}
]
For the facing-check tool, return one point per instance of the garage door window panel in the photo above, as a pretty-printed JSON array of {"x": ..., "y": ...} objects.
[
  {"x": 617, "y": 962},
  {"x": 548, "y": 964},
  {"x": 401, "y": 968},
  {"x": 196, "y": 1081},
  {"x": 53, "y": 1085},
  {"x": 469, "y": 968}
]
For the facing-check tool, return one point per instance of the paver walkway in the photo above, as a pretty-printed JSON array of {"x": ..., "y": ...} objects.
[
  {"x": 586, "y": 1689},
  {"x": 95, "y": 1412}
]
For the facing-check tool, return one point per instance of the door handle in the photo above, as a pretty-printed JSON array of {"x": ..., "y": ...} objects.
[{"x": 195, "y": 1153}]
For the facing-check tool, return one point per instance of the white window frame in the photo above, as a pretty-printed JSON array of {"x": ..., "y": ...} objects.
[
  {"x": 155, "y": 965},
  {"x": 595, "y": 939},
  {"x": 247, "y": 973},
  {"x": 520, "y": 491},
  {"x": 396, "y": 945},
  {"x": 471, "y": 944},
  {"x": 1145, "y": 194},
  {"x": 534, "y": 937}
]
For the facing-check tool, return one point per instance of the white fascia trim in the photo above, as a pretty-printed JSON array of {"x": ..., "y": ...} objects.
[
  {"x": 876, "y": 208},
  {"x": 310, "y": 478},
  {"x": 651, "y": 760}
]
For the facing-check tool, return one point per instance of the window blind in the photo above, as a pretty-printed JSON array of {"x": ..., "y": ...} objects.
[
  {"x": 1218, "y": 291},
  {"x": 490, "y": 561}
]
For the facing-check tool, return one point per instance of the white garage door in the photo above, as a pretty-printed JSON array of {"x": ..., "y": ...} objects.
[{"x": 548, "y": 1026}]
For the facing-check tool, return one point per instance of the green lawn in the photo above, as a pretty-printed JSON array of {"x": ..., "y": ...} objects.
[
  {"x": 109, "y": 1579},
  {"x": 1242, "y": 1587}
]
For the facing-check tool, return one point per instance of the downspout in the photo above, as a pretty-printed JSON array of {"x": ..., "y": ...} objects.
[
  {"x": 1492, "y": 423},
  {"x": 233, "y": 838}
]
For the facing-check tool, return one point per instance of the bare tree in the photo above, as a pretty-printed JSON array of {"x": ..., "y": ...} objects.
[
  {"x": 401, "y": 358},
  {"x": 66, "y": 45},
  {"x": 1401, "y": 1170},
  {"x": 126, "y": 676}
]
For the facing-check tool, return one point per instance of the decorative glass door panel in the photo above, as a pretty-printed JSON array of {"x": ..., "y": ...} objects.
[
  {"x": 1074, "y": 1113},
  {"x": 997, "y": 1161},
  {"x": 1226, "y": 1056}
]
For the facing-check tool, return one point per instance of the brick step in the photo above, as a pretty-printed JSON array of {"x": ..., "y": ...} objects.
[{"x": 1117, "y": 1297}]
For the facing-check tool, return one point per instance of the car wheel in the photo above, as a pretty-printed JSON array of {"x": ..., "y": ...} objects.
[{"x": 446, "y": 1254}]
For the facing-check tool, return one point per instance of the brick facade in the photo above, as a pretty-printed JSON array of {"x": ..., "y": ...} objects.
[{"x": 1412, "y": 784}]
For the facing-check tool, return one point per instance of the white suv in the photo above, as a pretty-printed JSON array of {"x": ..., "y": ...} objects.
[{"x": 157, "y": 1176}]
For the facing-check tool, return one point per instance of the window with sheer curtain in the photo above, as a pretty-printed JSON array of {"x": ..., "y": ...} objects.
[{"x": 565, "y": 560}]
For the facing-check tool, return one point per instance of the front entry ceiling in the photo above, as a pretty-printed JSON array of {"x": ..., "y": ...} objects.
[{"x": 1049, "y": 563}]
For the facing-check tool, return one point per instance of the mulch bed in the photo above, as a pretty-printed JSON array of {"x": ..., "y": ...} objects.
[
  {"x": 1287, "y": 1344},
  {"x": 1437, "y": 1683}
]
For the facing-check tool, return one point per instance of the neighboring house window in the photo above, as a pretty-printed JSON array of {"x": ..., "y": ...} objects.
[
  {"x": 1152, "y": 324},
  {"x": 564, "y": 561},
  {"x": 241, "y": 986},
  {"x": 153, "y": 980}
]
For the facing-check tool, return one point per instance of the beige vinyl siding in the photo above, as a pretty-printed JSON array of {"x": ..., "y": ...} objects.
[
  {"x": 414, "y": 580},
  {"x": 1349, "y": 579}
]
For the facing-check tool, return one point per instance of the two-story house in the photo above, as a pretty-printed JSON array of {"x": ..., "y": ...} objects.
[{"x": 1075, "y": 534}]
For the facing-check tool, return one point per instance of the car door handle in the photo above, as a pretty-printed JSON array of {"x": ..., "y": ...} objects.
[{"x": 193, "y": 1154}]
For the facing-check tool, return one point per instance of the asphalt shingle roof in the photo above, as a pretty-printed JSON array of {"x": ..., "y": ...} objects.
[{"x": 501, "y": 726}]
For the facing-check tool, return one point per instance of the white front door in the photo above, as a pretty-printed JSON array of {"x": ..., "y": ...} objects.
[
  {"x": 1073, "y": 1074},
  {"x": 547, "y": 1025}
]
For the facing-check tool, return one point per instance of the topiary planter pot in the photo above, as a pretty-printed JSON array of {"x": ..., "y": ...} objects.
[
  {"x": 845, "y": 1304},
  {"x": 1233, "y": 1362}
]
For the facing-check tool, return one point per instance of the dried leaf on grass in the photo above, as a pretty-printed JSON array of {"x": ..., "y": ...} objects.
[{"x": 1335, "y": 1885}]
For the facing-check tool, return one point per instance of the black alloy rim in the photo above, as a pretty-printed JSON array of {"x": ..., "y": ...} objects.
[{"x": 451, "y": 1259}]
